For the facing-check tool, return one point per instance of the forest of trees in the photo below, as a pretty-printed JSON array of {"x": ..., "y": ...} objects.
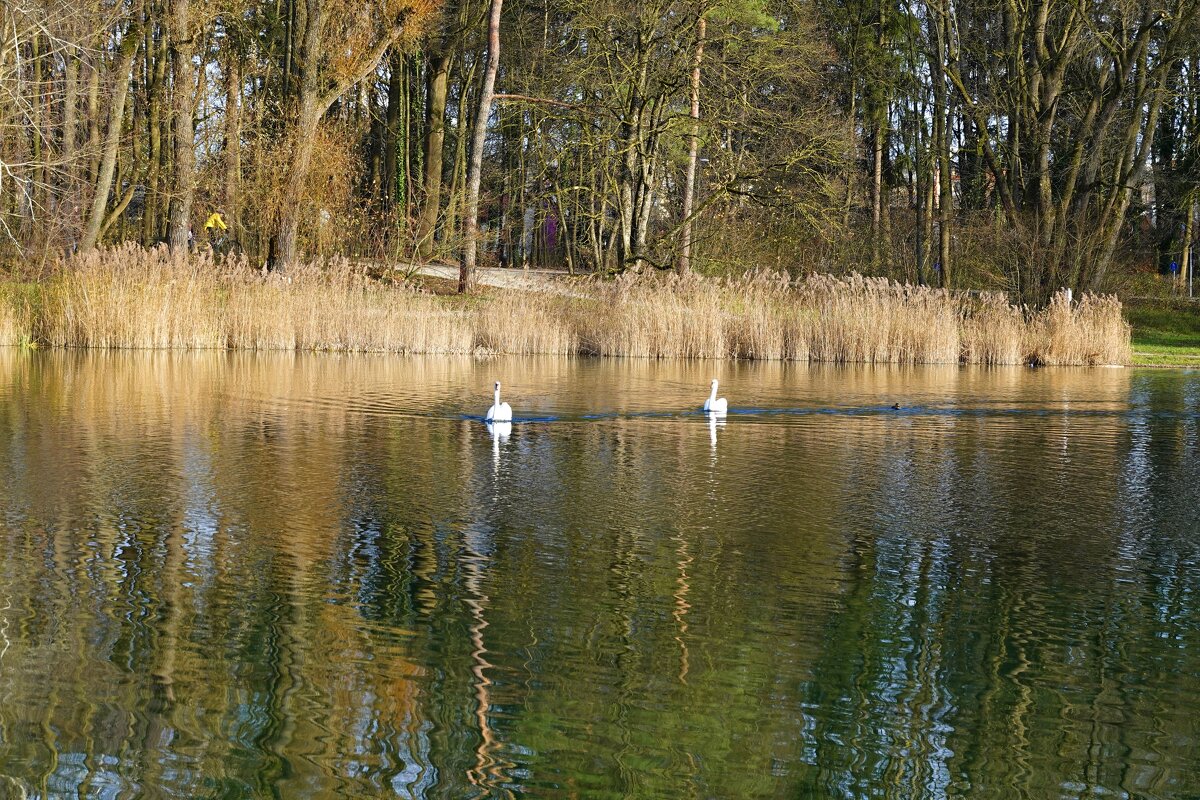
[{"x": 1016, "y": 144}]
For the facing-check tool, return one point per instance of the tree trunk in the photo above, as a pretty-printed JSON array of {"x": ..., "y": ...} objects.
[
  {"x": 689, "y": 181},
  {"x": 108, "y": 161},
  {"x": 852, "y": 127},
  {"x": 289, "y": 222},
  {"x": 475, "y": 165},
  {"x": 877, "y": 195},
  {"x": 70, "y": 121},
  {"x": 435, "y": 137},
  {"x": 645, "y": 207},
  {"x": 921, "y": 187},
  {"x": 283, "y": 250},
  {"x": 1185, "y": 259},
  {"x": 39, "y": 170},
  {"x": 68, "y": 193},
  {"x": 157, "y": 127},
  {"x": 414, "y": 132},
  {"x": 183, "y": 106},
  {"x": 318, "y": 92},
  {"x": 928, "y": 201},
  {"x": 458, "y": 170},
  {"x": 233, "y": 146},
  {"x": 941, "y": 143},
  {"x": 95, "y": 64},
  {"x": 632, "y": 139},
  {"x": 389, "y": 187}
]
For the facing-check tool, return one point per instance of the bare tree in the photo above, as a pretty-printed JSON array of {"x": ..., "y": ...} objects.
[
  {"x": 689, "y": 184},
  {"x": 475, "y": 165},
  {"x": 342, "y": 43},
  {"x": 183, "y": 49},
  {"x": 126, "y": 50}
]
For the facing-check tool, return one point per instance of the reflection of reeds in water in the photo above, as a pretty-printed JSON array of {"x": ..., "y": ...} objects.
[{"x": 132, "y": 298}]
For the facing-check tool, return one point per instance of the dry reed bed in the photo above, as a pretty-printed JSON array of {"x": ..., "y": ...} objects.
[
  {"x": 14, "y": 318},
  {"x": 133, "y": 298}
]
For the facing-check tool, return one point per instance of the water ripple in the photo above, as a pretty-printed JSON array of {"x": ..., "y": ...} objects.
[{"x": 325, "y": 577}]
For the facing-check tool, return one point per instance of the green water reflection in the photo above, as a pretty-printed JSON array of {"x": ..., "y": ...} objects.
[{"x": 239, "y": 576}]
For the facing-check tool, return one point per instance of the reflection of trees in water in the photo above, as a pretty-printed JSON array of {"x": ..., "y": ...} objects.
[
  {"x": 1015, "y": 652},
  {"x": 190, "y": 675},
  {"x": 255, "y": 589}
]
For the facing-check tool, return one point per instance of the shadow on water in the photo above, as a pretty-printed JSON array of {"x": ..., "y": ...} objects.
[{"x": 325, "y": 576}]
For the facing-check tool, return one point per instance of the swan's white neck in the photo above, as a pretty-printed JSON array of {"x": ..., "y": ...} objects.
[
  {"x": 713, "y": 396},
  {"x": 497, "y": 395}
]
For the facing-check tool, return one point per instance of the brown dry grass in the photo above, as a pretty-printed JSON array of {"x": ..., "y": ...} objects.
[
  {"x": 1091, "y": 331},
  {"x": 14, "y": 317},
  {"x": 133, "y": 298}
]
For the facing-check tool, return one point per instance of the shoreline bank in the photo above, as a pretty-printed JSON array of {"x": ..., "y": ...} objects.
[{"x": 1166, "y": 332}]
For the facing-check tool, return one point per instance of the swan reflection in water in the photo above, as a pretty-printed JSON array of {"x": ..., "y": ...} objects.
[
  {"x": 715, "y": 420},
  {"x": 715, "y": 408},
  {"x": 499, "y": 431}
]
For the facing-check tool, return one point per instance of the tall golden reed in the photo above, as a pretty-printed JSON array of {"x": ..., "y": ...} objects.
[
  {"x": 14, "y": 317},
  {"x": 1091, "y": 331},
  {"x": 135, "y": 298}
]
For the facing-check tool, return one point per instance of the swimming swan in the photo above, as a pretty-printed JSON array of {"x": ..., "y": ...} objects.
[
  {"x": 499, "y": 412},
  {"x": 713, "y": 404}
]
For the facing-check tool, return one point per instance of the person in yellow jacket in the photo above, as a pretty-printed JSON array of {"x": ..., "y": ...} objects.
[{"x": 214, "y": 228}]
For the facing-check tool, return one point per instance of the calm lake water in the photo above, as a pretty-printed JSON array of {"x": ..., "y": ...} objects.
[{"x": 321, "y": 576}]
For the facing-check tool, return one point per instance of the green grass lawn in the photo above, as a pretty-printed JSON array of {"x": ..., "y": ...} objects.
[{"x": 1165, "y": 334}]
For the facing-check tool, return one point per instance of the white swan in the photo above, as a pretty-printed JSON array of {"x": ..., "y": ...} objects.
[
  {"x": 713, "y": 404},
  {"x": 499, "y": 412}
]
